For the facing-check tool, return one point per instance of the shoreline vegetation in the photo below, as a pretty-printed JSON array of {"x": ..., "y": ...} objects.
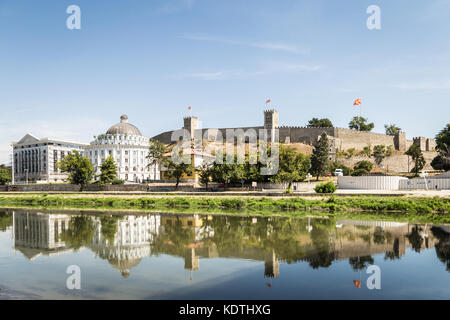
[{"x": 435, "y": 208}]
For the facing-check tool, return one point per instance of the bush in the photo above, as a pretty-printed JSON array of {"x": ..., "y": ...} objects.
[
  {"x": 359, "y": 172},
  {"x": 118, "y": 181},
  {"x": 364, "y": 164},
  {"x": 328, "y": 187}
]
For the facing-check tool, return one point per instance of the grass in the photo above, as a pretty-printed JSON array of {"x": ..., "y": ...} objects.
[{"x": 368, "y": 207}]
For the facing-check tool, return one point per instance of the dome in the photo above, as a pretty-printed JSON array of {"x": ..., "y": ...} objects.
[{"x": 124, "y": 128}]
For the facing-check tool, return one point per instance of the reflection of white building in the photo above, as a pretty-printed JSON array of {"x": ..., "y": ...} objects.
[
  {"x": 131, "y": 243},
  {"x": 35, "y": 159},
  {"x": 129, "y": 148},
  {"x": 39, "y": 233}
]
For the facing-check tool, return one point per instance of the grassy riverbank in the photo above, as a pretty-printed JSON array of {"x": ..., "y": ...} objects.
[{"x": 416, "y": 205}]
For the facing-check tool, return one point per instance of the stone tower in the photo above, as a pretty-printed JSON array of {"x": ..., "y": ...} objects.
[
  {"x": 191, "y": 124},
  {"x": 400, "y": 141},
  {"x": 270, "y": 119}
]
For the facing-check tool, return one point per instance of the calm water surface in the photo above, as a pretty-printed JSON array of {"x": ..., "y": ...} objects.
[{"x": 168, "y": 256}]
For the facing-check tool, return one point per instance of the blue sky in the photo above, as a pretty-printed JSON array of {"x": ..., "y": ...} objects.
[{"x": 151, "y": 59}]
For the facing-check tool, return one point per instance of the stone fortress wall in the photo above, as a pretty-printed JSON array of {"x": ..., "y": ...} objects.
[{"x": 341, "y": 139}]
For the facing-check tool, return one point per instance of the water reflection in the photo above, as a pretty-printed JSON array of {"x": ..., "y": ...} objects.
[{"x": 124, "y": 240}]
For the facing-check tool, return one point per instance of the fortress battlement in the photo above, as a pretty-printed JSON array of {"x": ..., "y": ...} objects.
[{"x": 340, "y": 138}]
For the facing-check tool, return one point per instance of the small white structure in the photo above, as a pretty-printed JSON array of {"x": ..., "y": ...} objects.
[{"x": 370, "y": 182}]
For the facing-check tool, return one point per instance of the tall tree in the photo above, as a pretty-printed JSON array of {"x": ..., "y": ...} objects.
[
  {"x": 204, "y": 172},
  {"x": 360, "y": 124},
  {"x": 79, "y": 168},
  {"x": 108, "y": 170},
  {"x": 320, "y": 157},
  {"x": 5, "y": 175},
  {"x": 177, "y": 170},
  {"x": 417, "y": 156},
  {"x": 155, "y": 154},
  {"x": 319, "y": 123},
  {"x": 391, "y": 129},
  {"x": 293, "y": 166}
]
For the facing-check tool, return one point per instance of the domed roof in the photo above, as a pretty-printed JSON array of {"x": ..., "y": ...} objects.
[{"x": 124, "y": 128}]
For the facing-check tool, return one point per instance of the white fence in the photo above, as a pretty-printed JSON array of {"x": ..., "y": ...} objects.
[
  {"x": 427, "y": 183},
  {"x": 370, "y": 182}
]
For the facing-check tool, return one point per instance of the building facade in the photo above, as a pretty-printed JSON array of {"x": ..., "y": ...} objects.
[
  {"x": 129, "y": 149},
  {"x": 34, "y": 159}
]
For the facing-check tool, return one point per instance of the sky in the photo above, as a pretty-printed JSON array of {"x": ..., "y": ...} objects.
[{"x": 151, "y": 59}]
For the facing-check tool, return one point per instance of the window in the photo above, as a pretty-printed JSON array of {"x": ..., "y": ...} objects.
[
  {"x": 126, "y": 153},
  {"x": 110, "y": 152}
]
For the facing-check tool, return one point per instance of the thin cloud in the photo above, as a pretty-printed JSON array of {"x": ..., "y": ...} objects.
[
  {"x": 422, "y": 85},
  {"x": 261, "y": 45},
  {"x": 269, "y": 68}
]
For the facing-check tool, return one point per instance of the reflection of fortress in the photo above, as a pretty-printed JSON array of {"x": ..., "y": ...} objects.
[{"x": 38, "y": 233}]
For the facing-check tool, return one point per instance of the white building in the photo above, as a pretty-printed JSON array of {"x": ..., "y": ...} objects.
[
  {"x": 129, "y": 148},
  {"x": 35, "y": 159}
]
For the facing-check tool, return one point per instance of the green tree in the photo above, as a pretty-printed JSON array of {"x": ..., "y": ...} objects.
[
  {"x": 443, "y": 140},
  {"x": 441, "y": 162},
  {"x": 79, "y": 168},
  {"x": 320, "y": 157},
  {"x": 5, "y": 175},
  {"x": 363, "y": 164},
  {"x": 177, "y": 170},
  {"x": 155, "y": 153},
  {"x": 204, "y": 173},
  {"x": 108, "y": 170},
  {"x": 417, "y": 156},
  {"x": 319, "y": 123},
  {"x": 391, "y": 129},
  {"x": 360, "y": 124},
  {"x": 293, "y": 166},
  {"x": 362, "y": 167},
  {"x": 228, "y": 172}
]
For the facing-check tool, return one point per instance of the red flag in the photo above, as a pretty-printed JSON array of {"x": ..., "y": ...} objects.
[
  {"x": 357, "y": 102},
  {"x": 268, "y": 101},
  {"x": 357, "y": 283}
]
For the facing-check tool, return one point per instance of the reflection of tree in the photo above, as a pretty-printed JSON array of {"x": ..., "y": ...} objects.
[
  {"x": 320, "y": 240},
  {"x": 109, "y": 227},
  {"x": 80, "y": 232},
  {"x": 5, "y": 220},
  {"x": 415, "y": 239},
  {"x": 284, "y": 239},
  {"x": 443, "y": 246},
  {"x": 395, "y": 253},
  {"x": 174, "y": 239},
  {"x": 381, "y": 236},
  {"x": 360, "y": 263},
  {"x": 228, "y": 234}
]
